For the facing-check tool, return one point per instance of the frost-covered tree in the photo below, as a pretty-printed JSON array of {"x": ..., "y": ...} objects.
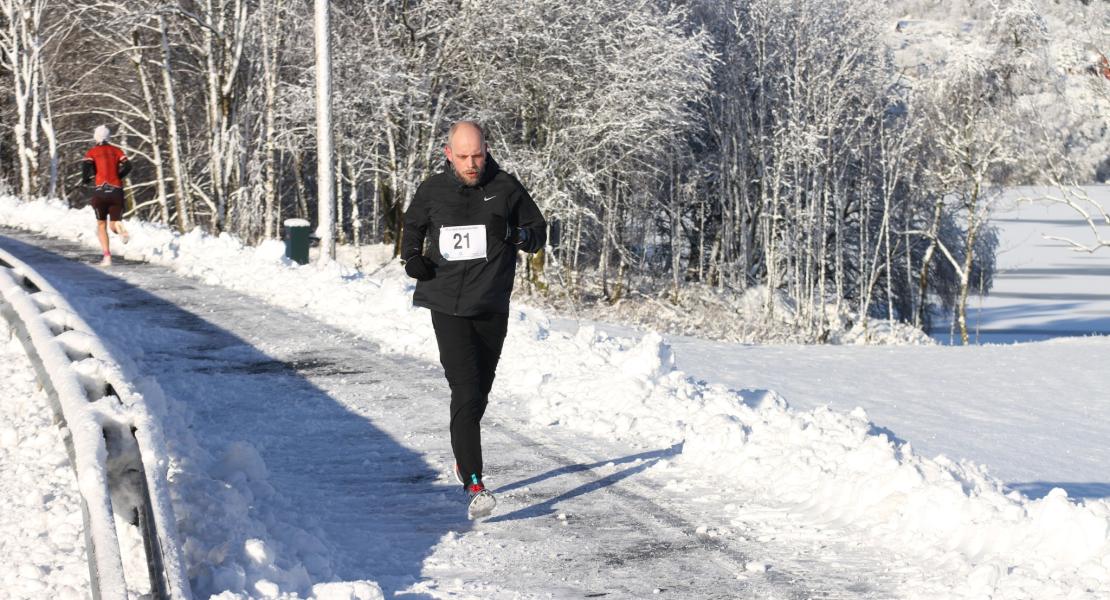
[
  {"x": 587, "y": 103},
  {"x": 678, "y": 148},
  {"x": 973, "y": 107},
  {"x": 811, "y": 154},
  {"x": 28, "y": 28}
]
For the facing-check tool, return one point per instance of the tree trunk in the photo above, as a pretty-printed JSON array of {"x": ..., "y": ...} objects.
[
  {"x": 152, "y": 126},
  {"x": 180, "y": 177}
]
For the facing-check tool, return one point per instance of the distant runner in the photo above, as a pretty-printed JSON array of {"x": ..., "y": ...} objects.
[
  {"x": 475, "y": 217},
  {"x": 108, "y": 165}
]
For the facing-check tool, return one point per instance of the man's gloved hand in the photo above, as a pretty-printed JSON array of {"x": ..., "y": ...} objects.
[
  {"x": 420, "y": 268},
  {"x": 519, "y": 236}
]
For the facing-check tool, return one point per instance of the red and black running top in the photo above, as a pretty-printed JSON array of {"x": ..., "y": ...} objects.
[{"x": 108, "y": 163}]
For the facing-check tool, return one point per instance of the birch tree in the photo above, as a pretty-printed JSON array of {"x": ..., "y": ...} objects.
[{"x": 23, "y": 36}]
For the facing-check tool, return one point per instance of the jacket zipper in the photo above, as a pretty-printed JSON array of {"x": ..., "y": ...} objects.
[
  {"x": 466, "y": 267},
  {"x": 458, "y": 294}
]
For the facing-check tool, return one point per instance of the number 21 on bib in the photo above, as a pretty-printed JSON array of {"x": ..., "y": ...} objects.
[{"x": 462, "y": 243}]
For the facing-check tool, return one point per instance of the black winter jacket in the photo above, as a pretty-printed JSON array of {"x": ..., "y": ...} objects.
[{"x": 480, "y": 285}]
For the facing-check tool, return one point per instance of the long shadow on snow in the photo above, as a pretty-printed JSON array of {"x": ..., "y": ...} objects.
[
  {"x": 547, "y": 507},
  {"x": 983, "y": 332},
  {"x": 330, "y": 469}
]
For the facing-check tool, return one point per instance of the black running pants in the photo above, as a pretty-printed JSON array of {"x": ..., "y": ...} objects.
[{"x": 469, "y": 348}]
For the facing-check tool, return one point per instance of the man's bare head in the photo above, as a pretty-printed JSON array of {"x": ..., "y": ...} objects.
[{"x": 466, "y": 149}]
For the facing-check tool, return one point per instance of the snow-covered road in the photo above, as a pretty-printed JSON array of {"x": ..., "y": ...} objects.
[{"x": 326, "y": 460}]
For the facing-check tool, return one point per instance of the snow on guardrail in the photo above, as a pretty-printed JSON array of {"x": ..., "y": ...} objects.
[{"x": 114, "y": 445}]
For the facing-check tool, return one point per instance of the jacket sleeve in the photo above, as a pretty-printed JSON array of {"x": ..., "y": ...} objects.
[
  {"x": 88, "y": 170},
  {"x": 527, "y": 216},
  {"x": 124, "y": 168},
  {"x": 415, "y": 227}
]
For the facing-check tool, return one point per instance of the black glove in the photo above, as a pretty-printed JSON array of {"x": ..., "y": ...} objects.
[{"x": 420, "y": 268}]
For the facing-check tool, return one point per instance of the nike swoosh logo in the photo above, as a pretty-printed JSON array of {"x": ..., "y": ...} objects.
[{"x": 488, "y": 199}]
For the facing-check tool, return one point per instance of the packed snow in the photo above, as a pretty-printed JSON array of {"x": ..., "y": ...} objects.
[
  {"x": 897, "y": 449},
  {"x": 41, "y": 531}
]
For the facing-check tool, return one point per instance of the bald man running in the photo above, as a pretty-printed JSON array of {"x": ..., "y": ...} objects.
[{"x": 475, "y": 218}]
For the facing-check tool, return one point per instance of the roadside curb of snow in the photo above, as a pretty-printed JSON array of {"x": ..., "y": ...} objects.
[{"x": 115, "y": 447}]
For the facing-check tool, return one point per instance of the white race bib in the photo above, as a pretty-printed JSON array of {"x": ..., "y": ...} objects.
[{"x": 462, "y": 243}]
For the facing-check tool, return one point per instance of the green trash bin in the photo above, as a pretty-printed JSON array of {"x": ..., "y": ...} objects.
[{"x": 297, "y": 239}]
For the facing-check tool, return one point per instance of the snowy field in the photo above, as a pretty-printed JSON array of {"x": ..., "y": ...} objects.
[{"x": 924, "y": 472}]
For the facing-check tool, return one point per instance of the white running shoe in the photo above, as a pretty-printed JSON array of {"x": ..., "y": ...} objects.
[
  {"x": 126, "y": 237},
  {"x": 106, "y": 261},
  {"x": 482, "y": 502}
]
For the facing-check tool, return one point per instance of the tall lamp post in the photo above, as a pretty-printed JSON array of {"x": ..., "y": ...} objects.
[{"x": 325, "y": 228}]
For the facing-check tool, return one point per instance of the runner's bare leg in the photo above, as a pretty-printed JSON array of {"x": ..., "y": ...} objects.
[{"x": 102, "y": 235}]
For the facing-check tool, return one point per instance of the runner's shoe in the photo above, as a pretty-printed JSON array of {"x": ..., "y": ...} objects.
[
  {"x": 106, "y": 261},
  {"x": 482, "y": 501},
  {"x": 126, "y": 237}
]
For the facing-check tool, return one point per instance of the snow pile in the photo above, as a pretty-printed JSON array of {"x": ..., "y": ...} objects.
[
  {"x": 831, "y": 467},
  {"x": 238, "y": 541},
  {"x": 824, "y": 465},
  {"x": 225, "y": 504},
  {"x": 42, "y": 542},
  {"x": 836, "y": 468}
]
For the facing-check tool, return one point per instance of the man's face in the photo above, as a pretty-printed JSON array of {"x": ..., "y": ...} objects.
[{"x": 467, "y": 152}]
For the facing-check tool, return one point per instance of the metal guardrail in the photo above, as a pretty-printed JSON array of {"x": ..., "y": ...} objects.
[{"x": 109, "y": 435}]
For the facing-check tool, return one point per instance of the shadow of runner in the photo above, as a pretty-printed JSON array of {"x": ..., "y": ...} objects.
[
  {"x": 547, "y": 507},
  {"x": 282, "y": 458}
]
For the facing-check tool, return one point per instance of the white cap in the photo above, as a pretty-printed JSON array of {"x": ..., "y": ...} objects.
[{"x": 100, "y": 135}]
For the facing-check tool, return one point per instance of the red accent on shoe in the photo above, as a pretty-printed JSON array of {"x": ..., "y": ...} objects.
[{"x": 475, "y": 488}]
